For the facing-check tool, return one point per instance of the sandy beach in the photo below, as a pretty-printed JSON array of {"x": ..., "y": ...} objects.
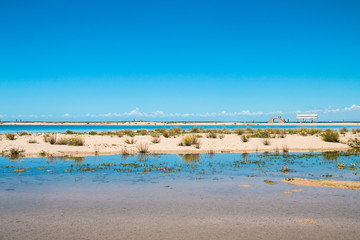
[{"x": 34, "y": 145}]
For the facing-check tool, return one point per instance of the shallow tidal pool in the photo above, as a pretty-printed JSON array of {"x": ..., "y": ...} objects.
[{"x": 178, "y": 196}]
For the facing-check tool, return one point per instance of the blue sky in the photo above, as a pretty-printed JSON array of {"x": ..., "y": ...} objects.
[{"x": 179, "y": 60}]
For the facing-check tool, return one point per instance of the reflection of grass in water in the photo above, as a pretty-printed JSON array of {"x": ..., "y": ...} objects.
[
  {"x": 76, "y": 160},
  {"x": 330, "y": 156},
  {"x": 189, "y": 157}
]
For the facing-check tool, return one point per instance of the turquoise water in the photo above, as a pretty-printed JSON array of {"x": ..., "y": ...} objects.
[
  {"x": 87, "y": 128},
  {"x": 147, "y": 167}
]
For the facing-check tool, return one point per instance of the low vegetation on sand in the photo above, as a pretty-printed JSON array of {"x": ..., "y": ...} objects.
[
  {"x": 130, "y": 141},
  {"x": 143, "y": 148},
  {"x": 330, "y": 136},
  {"x": 32, "y": 141},
  {"x": 189, "y": 140},
  {"x": 72, "y": 141},
  {"x": 244, "y": 138},
  {"x": 155, "y": 140},
  {"x": 15, "y": 153},
  {"x": 212, "y": 134},
  {"x": 24, "y": 133},
  {"x": 266, "y": 142},
  {"x": 50, "y": 138},
  {"x": 354, "y": 143},
  {"x": 10, "y": 136}
]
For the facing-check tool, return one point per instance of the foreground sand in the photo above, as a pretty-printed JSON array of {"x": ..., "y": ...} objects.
[
  {"x": 108, "y": 145},
  {"x": 323, "y": 183}
]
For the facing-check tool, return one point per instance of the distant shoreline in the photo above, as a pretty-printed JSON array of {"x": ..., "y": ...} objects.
[{"x": 207, "y": 123}]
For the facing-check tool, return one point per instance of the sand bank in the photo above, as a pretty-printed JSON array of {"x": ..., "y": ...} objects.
[
  {"x": 111, "y": 145},
  {"x": 323, "y": 183}
]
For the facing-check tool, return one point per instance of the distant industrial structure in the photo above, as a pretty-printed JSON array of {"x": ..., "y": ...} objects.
[
  {"x": 303, "y": 117},
  {"x": 279, "y": 119}
]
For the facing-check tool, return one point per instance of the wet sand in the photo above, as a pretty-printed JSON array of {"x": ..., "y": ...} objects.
[{"x": 186, "y": 210}]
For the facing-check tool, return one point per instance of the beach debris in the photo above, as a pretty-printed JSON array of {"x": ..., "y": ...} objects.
[{"x": 269, "y": 182}]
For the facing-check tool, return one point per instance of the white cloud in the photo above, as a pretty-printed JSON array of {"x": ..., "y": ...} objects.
[
  {"x": 136, "y": 113},
  {"x": 330, "y": 109},
  {"x": 27, "y": 116}
]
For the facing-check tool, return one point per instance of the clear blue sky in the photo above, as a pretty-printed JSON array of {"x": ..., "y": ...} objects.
[{"x": 179, "y": 60}]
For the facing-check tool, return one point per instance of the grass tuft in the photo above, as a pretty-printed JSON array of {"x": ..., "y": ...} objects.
[
  {"x": 155, "y": 140},
  {"x": 244, "y": 138},
  {"x": 15, "y": 153},
  {"x": 50, "y": 138},
  {"x": 330, "y": 136},
  {"x": 72, "y": 141},
  {"x": 130, "y": 141},
  {"x": 32, "y": 141},
  {"x": 143, "y": 148},
  {"x": 189, "y": 140},
  {"x": 10, "y": 136}
]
